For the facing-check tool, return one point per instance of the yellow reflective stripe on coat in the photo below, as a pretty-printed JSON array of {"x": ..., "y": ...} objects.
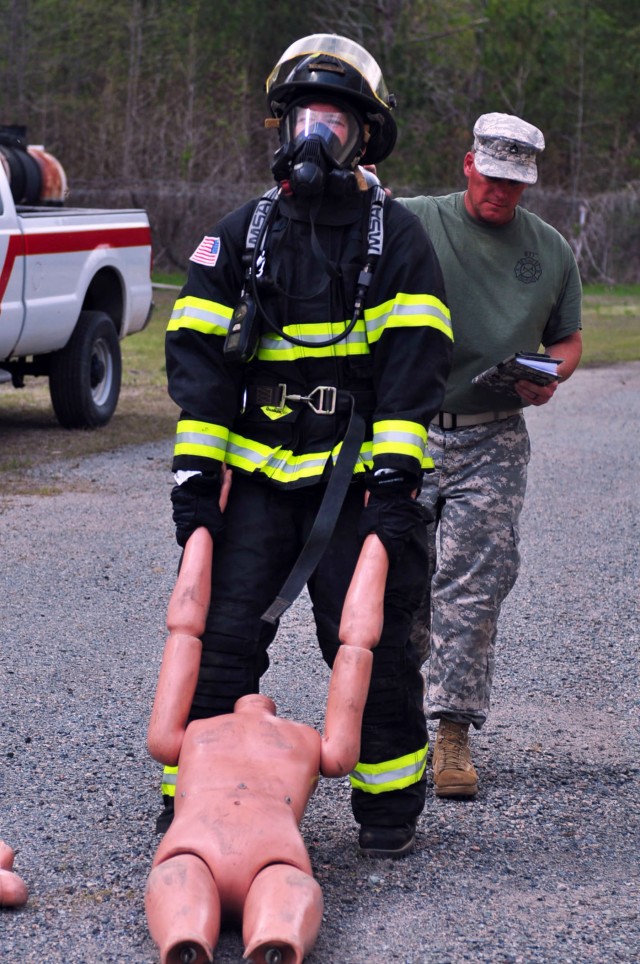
[
  {"x": 403, "y": 311},
  {"x": 399, "y": 437},
  {"x": 168, "y": 785},
  {"x": 201, "y": 438},
  {"x": 274, "y": 348},
  {"x": 281, "y": 464},
  {"x": 199, "y": 314},
  {"x": 408, "y": 311},
  {"x": 390, "y": 775}
]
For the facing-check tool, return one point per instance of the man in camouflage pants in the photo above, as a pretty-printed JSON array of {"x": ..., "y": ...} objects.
[{"x": 512, "y": 284}]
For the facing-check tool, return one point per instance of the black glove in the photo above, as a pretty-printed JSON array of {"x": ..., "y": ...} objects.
[
  {"x": 195, "y": 504},
  {"x": 391, "y": 512},
  {"x": 393, "y": 483}
]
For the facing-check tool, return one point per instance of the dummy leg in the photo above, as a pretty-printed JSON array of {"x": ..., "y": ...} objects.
[
  {"x": 183, "y": 910},
  {"x": 282, "y": 916}
]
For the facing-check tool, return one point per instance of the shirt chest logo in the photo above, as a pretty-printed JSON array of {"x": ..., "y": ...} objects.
[{"x": 528, "y": 269}]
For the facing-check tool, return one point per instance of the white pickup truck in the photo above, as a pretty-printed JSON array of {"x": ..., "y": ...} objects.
[{"x": 73, "y": 283}]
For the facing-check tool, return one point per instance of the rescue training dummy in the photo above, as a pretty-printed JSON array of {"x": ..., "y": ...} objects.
[
  {"x": 234, "y": 849},
  {"x": 13, "y": 890}
]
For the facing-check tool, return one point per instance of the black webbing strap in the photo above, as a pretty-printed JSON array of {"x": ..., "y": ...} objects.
[
  {"x": 325, "y": 521},
  {"x": 275, "y": 396}
]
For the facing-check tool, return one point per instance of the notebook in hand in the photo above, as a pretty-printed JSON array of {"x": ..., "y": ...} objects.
[{"x": 536, "y": 367}]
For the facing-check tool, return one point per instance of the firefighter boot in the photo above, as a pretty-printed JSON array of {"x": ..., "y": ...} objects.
[
  {"x": 454, "y": 774},
  {"x": 387, "y": 842}
]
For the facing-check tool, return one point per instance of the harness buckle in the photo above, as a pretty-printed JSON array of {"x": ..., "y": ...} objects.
[{"x": 322, "y": 400}]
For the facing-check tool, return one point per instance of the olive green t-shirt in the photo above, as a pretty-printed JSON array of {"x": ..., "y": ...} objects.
[{"x": 509, "y": 288}]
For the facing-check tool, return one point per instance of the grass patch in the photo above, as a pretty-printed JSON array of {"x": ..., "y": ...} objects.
[
  {"x": 611, "y": 320},
  {"x": 31, "y": 435},
  {"x": 164, "y": 278}
]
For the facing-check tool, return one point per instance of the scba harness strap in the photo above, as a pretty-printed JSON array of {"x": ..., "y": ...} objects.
[
  {"x": 259, "y": 221},
  {"x": 257, "y": 235},
  {"x": 255, "y": 255}
]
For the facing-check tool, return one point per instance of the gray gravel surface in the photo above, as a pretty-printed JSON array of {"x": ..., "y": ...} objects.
[{"x": 543, "y": 866}]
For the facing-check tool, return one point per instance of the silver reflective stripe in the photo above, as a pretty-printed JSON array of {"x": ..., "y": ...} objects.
[
  {"x": 404, "y": 310},
  {"x": 200, "y": 315},
  {"x": 269, "y": 463},
  {"x": 402, "y": 438},
  {"x": 390, "y": 776},
  {"x": 401, "y": 312},
  {"x": 200, "y": 438}
]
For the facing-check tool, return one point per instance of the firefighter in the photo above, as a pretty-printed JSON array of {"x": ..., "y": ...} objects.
[{"x": 308, "y": 352}]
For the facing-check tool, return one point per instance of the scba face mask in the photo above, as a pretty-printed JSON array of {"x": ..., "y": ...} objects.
[{"x": 320, "y": 145}]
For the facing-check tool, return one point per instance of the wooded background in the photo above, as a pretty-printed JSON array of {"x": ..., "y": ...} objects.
[{"x": 160, "y": 103}]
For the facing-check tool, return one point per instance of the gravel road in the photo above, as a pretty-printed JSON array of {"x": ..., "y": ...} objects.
[{"x": 542, "y": 867}]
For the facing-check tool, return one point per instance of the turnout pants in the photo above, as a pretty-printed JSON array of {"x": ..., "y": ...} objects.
[
  {"x": 476, "y": 496},
  {"x": 265, "y": 531}
]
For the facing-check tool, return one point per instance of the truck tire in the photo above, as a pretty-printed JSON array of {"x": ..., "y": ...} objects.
[{"x": 85, "y": 375}]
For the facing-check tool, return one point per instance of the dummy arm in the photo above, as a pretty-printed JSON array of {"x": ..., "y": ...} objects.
[
  {"x": 186, "y": 617},
  {"x": 13, "y": 890},
  {"x": 363, "y": 610},
  {"x": 360, "y": 630}
]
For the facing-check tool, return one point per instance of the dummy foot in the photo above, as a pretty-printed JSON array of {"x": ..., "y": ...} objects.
[
  {"x": 183, "y": 910},
  {"x": 188, "y": 953},
  {"x": 282, "y": 916}
]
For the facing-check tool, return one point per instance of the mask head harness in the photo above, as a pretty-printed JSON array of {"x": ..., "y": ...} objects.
[{"x": 329, "y": 75}]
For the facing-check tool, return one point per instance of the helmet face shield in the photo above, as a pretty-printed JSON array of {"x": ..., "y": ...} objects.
[{"x": 339, "y": 131}]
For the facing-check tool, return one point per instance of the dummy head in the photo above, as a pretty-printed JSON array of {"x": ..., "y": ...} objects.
[{"x": 255, "y": 703}]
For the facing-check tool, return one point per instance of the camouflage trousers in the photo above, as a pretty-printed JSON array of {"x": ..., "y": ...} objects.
[{"x": 476, "y": 496}]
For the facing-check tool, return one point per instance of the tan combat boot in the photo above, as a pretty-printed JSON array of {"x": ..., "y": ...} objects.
[{"x": 454, "y": 774}]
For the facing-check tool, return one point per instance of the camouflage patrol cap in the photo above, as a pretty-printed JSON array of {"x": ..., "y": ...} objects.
[{"x": 506, "y": 146}]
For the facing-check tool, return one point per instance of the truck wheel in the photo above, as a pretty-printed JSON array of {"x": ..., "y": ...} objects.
[{"x": 84, "y": 376}]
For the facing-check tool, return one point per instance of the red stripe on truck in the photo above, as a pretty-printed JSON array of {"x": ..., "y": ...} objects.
[
  {"x": 64, "y": 242},
  {"x": 14, "y": 248}
]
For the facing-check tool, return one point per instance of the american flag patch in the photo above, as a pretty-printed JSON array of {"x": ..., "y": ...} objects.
[{"x": 207, "y": 252}]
